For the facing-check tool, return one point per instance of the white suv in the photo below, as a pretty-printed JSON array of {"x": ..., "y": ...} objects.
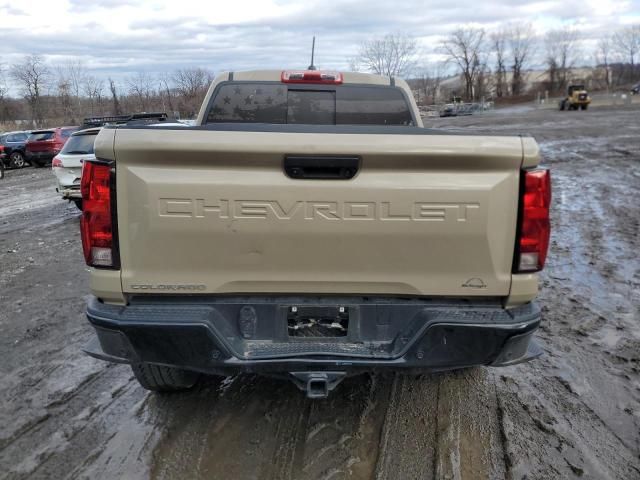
[{"x": 67, "y": 165}]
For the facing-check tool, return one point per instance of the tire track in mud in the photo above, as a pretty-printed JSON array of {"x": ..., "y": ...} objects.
[
  {"x": 343, "y": 431},
  {"x": 290, "y": 432},
  {"x": 410, "y": 426},
  {"x": 267, "y": 429},
  {"x": 69, "y": 429},
  {"x": 442, "y": 426},
  {"x": 242, "y": 429},
  {"x": 551, "y": 435}
]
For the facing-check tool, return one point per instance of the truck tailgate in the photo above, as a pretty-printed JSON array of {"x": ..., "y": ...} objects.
[{"x": 206, "y": 211}]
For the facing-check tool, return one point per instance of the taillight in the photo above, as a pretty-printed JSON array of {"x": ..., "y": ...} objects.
[
  {"x": 99, "y": 235},
  {"x": 56, "y": 162},
  {"x": 311, "y": 76},
  {"x": 534, "y": 228}
]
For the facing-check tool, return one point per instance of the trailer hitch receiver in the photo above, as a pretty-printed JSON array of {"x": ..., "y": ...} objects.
[{"x": 317, "y": 384}]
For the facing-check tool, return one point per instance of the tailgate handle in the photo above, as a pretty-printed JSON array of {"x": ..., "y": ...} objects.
[{"x": 321, "y": 167}]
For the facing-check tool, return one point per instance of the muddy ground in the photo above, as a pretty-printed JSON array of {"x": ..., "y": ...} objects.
[{"x": 575, "y": 413}]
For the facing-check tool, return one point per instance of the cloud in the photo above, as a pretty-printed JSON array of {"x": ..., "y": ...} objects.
[{"x": 121, "y": 37}]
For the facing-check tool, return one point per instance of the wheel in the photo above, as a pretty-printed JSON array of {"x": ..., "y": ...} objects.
[
  {"x": 16, "y": 160},
  {"x": 78, "y": 204},
  {"x": 584, "y": 107},
  {"x": 163, "y": 379},
  {"x": 1, "y": 169},
  {"x": 562, "y": 105}
]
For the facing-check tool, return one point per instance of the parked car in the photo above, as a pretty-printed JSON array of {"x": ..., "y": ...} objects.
[
  {"x": 449, "y": 110},
  {"x": 43, "y": 145},
  {"x": 67, "y": 165},
  {"x": 13, "y": 144},
  {"x": 309, "y": 227}
]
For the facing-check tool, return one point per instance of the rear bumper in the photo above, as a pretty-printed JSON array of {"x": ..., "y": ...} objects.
[{"x": 249, "y": 334}]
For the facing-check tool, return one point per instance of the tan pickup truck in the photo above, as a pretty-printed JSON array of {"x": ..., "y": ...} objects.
[{"x": 309, "y": 227}]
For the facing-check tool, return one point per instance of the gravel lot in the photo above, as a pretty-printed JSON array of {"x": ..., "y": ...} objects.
[{"x": 575, "y": 413}]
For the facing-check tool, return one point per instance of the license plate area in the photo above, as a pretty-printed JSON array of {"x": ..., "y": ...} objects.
[{"x": 317, "y": 321}]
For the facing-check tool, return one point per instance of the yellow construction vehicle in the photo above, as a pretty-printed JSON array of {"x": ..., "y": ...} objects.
[{"x": 577, "y": 98}]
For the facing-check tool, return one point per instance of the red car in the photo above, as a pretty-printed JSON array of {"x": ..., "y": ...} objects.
[{"x": 43, "y": 145}]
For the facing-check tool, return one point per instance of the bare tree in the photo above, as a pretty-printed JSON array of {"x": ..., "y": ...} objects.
[
  {"x": 391, "y": 55},
  {"x": 521, "y": 43},
  {"x": 498, "y": 43},
  {"x": 76, "y": 72},
  {"x": 192, "y": 85},
  {"x": 627, "y": 40},
  {"x": 603, "y": 58},
  {"x": 4, "y": 90},
  {"x": 482, "y": 79},
  {"x": 32, "y": 75},
  {"x": 561, "y": 53},
  {"x": 141, "y": 86},
  {"x": 464, "y": 47},
  {"x": 3, "y": 84},
  {"x": 427, "y": 84},
  {"x": 66, "y": 100},
  {"x": 167, "y": 91},
  {"x": 92, "y": 88},
  {"x": 191, "y": 82},
  {"x": 114, "y": 97}
]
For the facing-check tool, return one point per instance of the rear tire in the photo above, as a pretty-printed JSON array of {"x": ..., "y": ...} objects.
[
  {"x": 584, "y": 107},
  {"x": 78, "y": 204},
  {"x": 16, "y": 160},
  {"x": 164, "y": 379},
  {"x": 562, "y": 105}
]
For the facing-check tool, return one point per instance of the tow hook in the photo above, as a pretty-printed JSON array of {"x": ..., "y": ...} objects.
[{"x": 317, "y": 384}]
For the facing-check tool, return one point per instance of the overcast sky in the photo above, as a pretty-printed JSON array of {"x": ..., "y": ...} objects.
[{"x": 120, "y": 37}]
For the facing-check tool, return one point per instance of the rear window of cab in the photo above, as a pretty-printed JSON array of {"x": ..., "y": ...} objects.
[{"x": 277, "y": 103}]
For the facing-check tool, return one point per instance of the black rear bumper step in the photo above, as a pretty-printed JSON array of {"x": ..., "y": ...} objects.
[{"x": 210, "y": 335}]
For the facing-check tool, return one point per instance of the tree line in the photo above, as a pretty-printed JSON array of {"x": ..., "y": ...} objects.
[
  {"x": 489, "y": 64},
  {"x": 494, "y": 63},
  {"x": 66, "y": 94}
]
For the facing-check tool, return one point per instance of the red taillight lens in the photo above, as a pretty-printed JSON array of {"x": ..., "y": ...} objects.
[
  {"x": 56, "y": 162},
  {"x": 96, "y": 224},
  {"x": 311, "y": 76},
  {"x": 535, "y": 227}
]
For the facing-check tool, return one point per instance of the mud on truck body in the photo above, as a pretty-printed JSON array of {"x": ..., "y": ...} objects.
[{"x": 309, "y": 227}]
